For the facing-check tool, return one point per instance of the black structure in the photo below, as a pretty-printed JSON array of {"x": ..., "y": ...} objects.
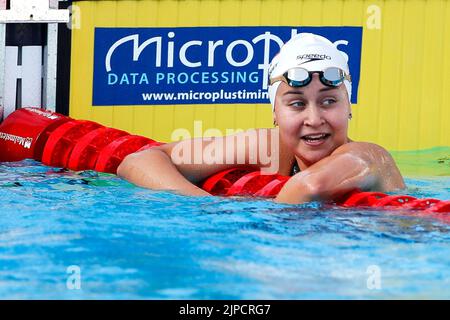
[
  {"x": 35, "y": 34},
  {"x": 63, "y": 65}
]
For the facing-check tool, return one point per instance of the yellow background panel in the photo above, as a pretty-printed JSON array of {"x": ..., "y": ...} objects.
[{"x": 404, "y": 90}]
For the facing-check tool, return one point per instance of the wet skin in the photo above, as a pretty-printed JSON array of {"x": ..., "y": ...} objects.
[
  {"x": 336, "y": 165},
  {"x": 329, "y": 168}
]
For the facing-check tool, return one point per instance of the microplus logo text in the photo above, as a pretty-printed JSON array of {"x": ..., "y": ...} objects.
[{"x": 198, "y": 65}]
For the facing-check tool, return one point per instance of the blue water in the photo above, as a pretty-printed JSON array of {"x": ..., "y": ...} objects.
[{"x": 131, "y": 243}]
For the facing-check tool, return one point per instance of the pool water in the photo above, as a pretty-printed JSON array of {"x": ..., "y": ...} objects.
[{"x": 126, "y": 242}]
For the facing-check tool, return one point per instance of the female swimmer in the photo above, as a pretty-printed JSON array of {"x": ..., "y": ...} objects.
[{"x": 310, "y": 91}]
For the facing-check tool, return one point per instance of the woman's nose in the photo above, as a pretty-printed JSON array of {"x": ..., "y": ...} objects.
[{"x": 313, "y": 116}]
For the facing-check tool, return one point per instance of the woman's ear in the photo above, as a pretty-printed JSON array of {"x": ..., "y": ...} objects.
[{"x": 275, "y": 123}]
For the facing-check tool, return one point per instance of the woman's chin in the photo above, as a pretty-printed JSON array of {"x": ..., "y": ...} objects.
[{"x": 311, "y": 156}]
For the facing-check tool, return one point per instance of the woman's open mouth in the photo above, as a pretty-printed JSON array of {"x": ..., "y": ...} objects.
[{"x": 315, "y": 139}]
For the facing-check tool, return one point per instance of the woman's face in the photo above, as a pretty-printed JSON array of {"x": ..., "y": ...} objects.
[{"x": 313, "y": 120}]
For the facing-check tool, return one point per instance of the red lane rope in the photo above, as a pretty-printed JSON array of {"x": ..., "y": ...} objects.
[
  {"x": 85, "y": 152},
  {"x": 87, "y": 145},
  {"x": 62, "y": 140},
  {"x": 363, "y": 199},
  {"x": 262, "y": 185}
]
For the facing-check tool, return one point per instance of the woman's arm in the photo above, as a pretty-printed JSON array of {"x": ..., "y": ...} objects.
[
  {"x": 179, "y": 166},
  {"x": 355, "y": 165},
  {"x": 154, "y": 169}
]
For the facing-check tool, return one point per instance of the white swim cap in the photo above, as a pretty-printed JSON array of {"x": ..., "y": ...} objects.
[{"x": 311, "y": 52}]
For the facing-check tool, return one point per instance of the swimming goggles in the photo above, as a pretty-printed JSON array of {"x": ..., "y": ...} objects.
[{"x": 300, "y": 77}]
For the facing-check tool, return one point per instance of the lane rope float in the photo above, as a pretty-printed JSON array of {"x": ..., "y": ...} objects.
[{"x": 58, "y": 140}]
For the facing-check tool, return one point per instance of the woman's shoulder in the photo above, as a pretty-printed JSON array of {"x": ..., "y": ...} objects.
[
  {"x": 360, "y": 146},
  {"x": 372, "y": 154}
]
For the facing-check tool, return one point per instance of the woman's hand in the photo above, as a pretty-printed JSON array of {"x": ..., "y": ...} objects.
[{"x": 355, "y": 165}]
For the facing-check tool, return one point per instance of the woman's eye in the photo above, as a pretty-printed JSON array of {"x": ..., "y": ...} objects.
[
  {"x": 297, "y": 104},
  {"x": 328, "y": 101}
]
